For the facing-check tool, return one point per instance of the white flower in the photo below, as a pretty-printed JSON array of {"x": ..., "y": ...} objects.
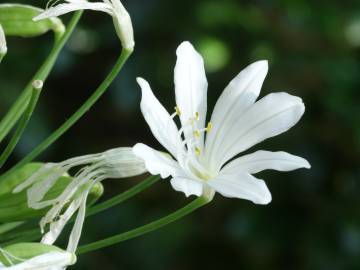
[
  {"x": 115, "y": 163},
  {"x": 3, "y": 48},
  {"x": 201, "y": 167},
  {"x": 114, "y": 8},
  {"x": 48, "y": 261}
]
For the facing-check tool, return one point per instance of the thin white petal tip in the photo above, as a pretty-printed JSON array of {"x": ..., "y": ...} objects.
[
  {"x": 266, "y": 198},
  {"x": 307, "y": 165},
  {"x": 38, "y": 18},
  {"x": 184, "y": 46},
  {"x": 262, "y": 63},
  {"x": 142, "y": 83}
]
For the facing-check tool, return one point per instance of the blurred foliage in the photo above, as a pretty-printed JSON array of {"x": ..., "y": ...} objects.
[{"x": 313, "y": 49}]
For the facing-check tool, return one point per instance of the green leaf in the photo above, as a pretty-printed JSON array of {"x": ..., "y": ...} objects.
[{"x": 17, "y": 20}]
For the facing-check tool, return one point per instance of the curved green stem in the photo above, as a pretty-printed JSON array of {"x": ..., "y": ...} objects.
[
  {"x": 18, "y": 108},
  {"x": 22, "y": 125},
  {"x": 123, "y": 196},
  {"x": 195, "y": 204},
  {"x": 77, "y": 115}
]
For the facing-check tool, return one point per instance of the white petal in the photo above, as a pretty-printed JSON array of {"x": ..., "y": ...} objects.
[
  {"x": 190, "y": 86},
  {"x": 265, "y": 160},
  {"x": 242, "y": 186},
  {"x": 56, "y": 227},
  {"x": 121, "y": 162},
  {"x": 47, "y": 261},
  {"x": 156, "y": 162},
  {"x": 270, "y": 116},
  {"x": 160, "y": 122},
  {"x": 188, "y": 186},
  {"x": 237, "y": 97},
  {"x": 64, "y": 8},
  {"x": 3, "y": 47},
  {"x": 79, "y": 222}
]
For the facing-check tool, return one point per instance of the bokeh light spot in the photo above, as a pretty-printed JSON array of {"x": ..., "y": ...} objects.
[{"x": 215, "y": 52}]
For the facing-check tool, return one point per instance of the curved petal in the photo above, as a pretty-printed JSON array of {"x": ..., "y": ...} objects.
[
  {"x": 237, "y": 97},
  {"x": 188, "y": 186},
  {"x": 160, "y": 122},
  {"x": 64, "y": 8},
  {"x": 56, "y": 227},
  {"x": 270, "y": 116},
  {"x": 242, "y": 186},
  {"x": 265, "y": 160},
  {"x": 79, "y": 222},
  {"x": 190, "y": 87},
  {"x": 156, "y": 162},
  {"x": 46, "y": 261}
]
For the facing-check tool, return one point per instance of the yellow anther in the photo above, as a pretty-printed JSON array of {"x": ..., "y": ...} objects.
[
  {"x": 197, "y": 116},
  {"x": 209, "y": 127},
  {"x": 197, "y": 133},
  {"x": 177, "y": 110},
  {"x": 197, "y": 151}
]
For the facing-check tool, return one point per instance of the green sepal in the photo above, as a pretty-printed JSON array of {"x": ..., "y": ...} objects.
[
  {"x": 25, "y": 251},
  {"x": 17, "y": 20},
  {"x": 14, "y": 207}
]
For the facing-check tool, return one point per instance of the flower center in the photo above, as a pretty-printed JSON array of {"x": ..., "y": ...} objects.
[{"x": 190, "y": 146}]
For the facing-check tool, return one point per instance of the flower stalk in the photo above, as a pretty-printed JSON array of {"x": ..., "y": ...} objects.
[
  {"x": 125, "y": 54},
  {"x": 182, "y": 212},
  {"x": 36, "y": 90},
  {"x": 20, "y": 105}
]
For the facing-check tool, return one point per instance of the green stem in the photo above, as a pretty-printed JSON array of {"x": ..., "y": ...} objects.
[
  {"x": 36, "y": 90},
  {"x": 195, "y": 204},
  {"x": 18, "y": 108},
  {"x": 77, "y": 115},
  {"x": 123, "y": 196}
]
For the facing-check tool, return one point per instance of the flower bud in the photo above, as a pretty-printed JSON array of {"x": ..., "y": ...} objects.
[
  {"x": 35, "y": 256},
  {"x": 123, "y": 26},
  {"x": 17, "y": 20}
]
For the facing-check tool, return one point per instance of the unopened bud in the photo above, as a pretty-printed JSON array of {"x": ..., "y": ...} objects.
[
  {"x": 17, "y": 20},
  {"x": 34, "y": 255}
]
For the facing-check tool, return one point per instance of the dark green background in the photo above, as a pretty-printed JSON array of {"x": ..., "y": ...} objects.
[{"x": 313, "y": 221}]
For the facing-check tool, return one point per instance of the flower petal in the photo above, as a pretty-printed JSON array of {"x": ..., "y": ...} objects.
[
  {"x": 57, "y": 227},
  {"x": 156, "y": 162},
  {"x": 79, "y": 222},
  {"x": 270, "y": 116},
  {"x": 188, "y": 186},
  {"x": 265, "y": 160},
  {"x": 50, "y": 260},
  {"x": 64, "y": 8},
  {"x": 160, "y": 122},
  {"x": 237, "y": 97},
  {"x": 190, "y": 87},
  {"x": 3, "y": 47},
  {"x": 242, "y": 186}
]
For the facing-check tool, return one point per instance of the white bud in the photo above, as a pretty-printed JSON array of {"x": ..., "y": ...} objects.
[
  {"x": 3, "y": 48},
  {"x": 123, "y": 25}
]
